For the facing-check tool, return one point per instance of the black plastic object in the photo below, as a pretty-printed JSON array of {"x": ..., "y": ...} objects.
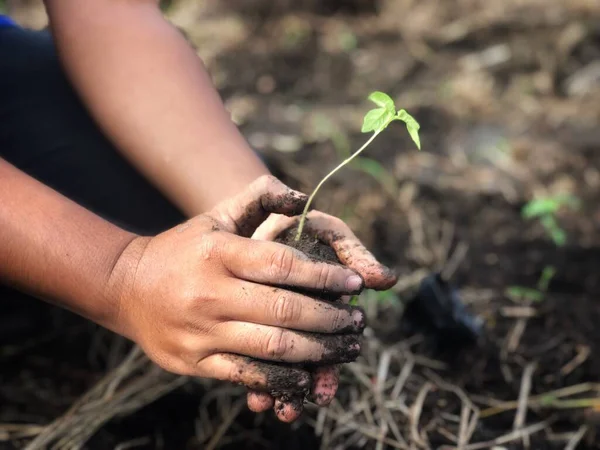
[{"x": 438, "y": 311}]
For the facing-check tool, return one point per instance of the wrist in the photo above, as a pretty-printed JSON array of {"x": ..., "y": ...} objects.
[{"x": 120, "y": 286}]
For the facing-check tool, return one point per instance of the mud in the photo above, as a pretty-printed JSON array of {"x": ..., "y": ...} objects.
[
  {"x": 342, "y": 349},
  {"x": 317, "y": 251},
  {"x": 287, "y": 202},
  {"x": 325, "y": 383},
  {"x": 310, "y": 245},
  {"x": 277, "y": 380},
  {"x": 338, "y": 349}
]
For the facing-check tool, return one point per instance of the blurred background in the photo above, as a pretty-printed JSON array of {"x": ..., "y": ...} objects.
[{"x": 502, "y": 200}]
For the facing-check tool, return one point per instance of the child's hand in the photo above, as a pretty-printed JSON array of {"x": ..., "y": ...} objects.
[
  {"x": 204, "y": 300},
  {"x": 350, "y": 252}
]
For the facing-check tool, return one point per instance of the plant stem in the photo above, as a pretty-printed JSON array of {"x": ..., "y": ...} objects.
[{"x": 329, "y": 175}]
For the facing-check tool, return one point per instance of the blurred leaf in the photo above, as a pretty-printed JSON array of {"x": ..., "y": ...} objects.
[
  {"x": 545, "y": 278},
  {"x": 518, "y": 293},
  {"x": 377, "y": 171},
  {"x": 388, "y": 297},
  {"x": 549, "y": 205},
  {"x": 556, "y": 233},
  {"x": 539, "y": 207},
  {"x": 348, "y": 40}
]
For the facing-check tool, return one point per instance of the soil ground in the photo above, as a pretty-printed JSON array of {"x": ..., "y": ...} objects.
[{"x": 508, "y": 98}]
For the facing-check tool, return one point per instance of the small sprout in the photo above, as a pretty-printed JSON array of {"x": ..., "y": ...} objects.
[
  {"x": 372, "y": 297},
  {"x": 378, "y": 119},
  {"x": 545, "y": 209},
  {"x": 547, "y": 275},
  {"x": 374, "y": 121},
  {"x": 520, "y": 293}
]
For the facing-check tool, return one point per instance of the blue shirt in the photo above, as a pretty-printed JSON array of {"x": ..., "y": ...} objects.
[{"x": 6, "y": 21}]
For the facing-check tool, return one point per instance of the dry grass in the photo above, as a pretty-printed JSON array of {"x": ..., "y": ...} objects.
[{"x": 395, "y": 397}]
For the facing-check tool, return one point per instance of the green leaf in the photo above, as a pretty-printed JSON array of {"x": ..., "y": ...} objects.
[
  {"x": 376, "y": 120},
  {"x": 411, "y": 125},
  {"x": 540, "y": 207},
  {"x": 549, "y": 205},
  {"x": 383, "y": 100},
  {"x": 377, "y": 171},
  {"x": 517, "y": 293},
  {"x": 545, "y": 278}
]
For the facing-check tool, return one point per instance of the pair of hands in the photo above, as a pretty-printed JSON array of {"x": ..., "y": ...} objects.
[{"x": 208, "y": 299}]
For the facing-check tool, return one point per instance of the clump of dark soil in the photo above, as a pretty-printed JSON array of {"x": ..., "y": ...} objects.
[
  {"x": 308, "y": 244},
  {"x": 316, "y": 250}
]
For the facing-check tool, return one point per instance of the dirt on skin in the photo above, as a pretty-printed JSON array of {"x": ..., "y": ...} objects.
[
  {"x": 346, "y": 348},
  {"x": 480, "y": 77}
]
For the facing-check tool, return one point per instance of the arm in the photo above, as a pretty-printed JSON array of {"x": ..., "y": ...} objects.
[
  {"x": 187, "y": 296},
  {"x": 150, "y": 93},
  {"x": 56, "y": 249}
]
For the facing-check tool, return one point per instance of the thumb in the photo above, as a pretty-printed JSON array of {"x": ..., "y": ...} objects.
[{"x": 243, "y": 213}]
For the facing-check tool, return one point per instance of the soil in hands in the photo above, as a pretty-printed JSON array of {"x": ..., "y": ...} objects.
[{"x": 317, "y": 251}]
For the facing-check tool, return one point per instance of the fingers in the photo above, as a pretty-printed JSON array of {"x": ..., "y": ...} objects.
[
  {"x": 335, "y": 232},
  {"x": 245, "y": 212},
  {"x": 260, "y": 376},
  {"x": 325, "y": 384},
  {"x": 282, "y": 345},
  {"x": 259, "y": 401},
  {"x": 277, "y": 264},
  {"x": 350, "y": 251},
  {"x": 289, "y": 410},
  {"x": 255, "y": 303}
]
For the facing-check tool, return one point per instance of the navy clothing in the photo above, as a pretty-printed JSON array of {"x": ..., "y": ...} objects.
[
  {"x": 6, "y": 21},
  {"x": 46, "y": 132}
]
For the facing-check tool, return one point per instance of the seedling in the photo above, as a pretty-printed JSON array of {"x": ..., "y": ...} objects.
[
  {"x": 375, "y": 121},
  {"x": 545, "y": 209},
  {"x": 533, "y": 295}
]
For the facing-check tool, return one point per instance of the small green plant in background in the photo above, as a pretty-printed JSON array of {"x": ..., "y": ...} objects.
[
  {"x": 375, "y": 121},
  {"x": 533, "y": 295},
  {"x": 545, "y": 210},
  {"x": 388, "y": 297}
]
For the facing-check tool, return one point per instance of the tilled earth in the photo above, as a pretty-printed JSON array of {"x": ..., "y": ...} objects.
[{"x": 508, "y": 97}]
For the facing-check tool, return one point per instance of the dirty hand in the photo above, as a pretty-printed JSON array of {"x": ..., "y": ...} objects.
[
  {"x": 203, "y": 299},
  {"x": 334, "y": 232}
]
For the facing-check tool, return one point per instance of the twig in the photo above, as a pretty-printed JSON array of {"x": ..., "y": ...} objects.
[
  {"x": 133, "y": 443},
  {"x": 402, "y": 378},
  {"x": 583, "y": 353},
  {"x": 523, "y": 400},
  {"x": 577, "y": 437},
  {"x": 233, "y": 413},
  {"x": 415, "y": 414},
  {"x": 549, "y": 399},
  {"x": 509, "y": 437}
]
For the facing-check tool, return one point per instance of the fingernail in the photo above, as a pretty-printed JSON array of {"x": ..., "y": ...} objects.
[
  {"x": 354, "y": 284},
  {"x": 354, "y": 348},
  {"x": 358, "y": 319}
]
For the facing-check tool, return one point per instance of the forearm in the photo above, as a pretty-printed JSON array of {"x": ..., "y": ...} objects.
[
  {"x": 57, "y": 250},
  {"x": 149, "y": 91}
]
